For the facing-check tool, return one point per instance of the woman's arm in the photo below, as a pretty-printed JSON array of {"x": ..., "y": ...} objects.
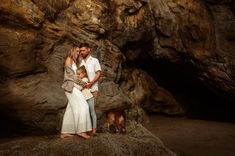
[
  {"x": 69, "y": 72},
  {"x": 68, "y": 62},
  {"x": 80, "y": 82}
]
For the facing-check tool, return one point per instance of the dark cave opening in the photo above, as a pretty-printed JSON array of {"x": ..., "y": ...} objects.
[
  {"x": 196, "y": 98},
  {"x": 181, "y": 80}
]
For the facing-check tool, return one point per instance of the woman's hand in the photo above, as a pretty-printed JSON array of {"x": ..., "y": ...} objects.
[{"x": 88, "y": 85}]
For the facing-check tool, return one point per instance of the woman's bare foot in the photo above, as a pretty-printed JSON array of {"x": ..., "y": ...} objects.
[
  {"x": 62, "y": 136},
  {"x": 84, "y": 135}
]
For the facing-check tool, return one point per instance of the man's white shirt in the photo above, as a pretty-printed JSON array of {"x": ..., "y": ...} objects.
[{"x": 92, "y": 65}]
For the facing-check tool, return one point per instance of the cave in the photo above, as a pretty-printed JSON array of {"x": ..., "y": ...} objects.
[{"x": 198, "y": 100}]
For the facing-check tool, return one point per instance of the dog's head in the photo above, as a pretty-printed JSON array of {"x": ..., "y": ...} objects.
[
  {"x": 110, "y": 117},
  {"x": 116, "y": 121}
]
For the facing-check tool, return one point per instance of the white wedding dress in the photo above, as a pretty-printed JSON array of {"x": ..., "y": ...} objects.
[{"x": 76, "y": 118}]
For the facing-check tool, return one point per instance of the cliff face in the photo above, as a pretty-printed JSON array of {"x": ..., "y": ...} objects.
[{"x": 133, "y": 40}]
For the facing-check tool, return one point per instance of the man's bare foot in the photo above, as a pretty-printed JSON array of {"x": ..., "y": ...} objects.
[
  {"x": 84, "y": 135},
  {"x": 62, "y": 136}
]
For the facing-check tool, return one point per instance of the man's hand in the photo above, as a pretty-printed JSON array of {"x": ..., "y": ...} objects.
[{"x": 88, "y": 85}]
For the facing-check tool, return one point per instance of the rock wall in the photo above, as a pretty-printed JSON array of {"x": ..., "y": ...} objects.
[{"x": 35, "y": 37}]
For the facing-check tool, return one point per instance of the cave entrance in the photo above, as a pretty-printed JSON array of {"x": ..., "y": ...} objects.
[{"x": 181, "y": 80}]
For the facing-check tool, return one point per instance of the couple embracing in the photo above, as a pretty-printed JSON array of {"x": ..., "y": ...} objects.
[{"x": 81, "y": 88}]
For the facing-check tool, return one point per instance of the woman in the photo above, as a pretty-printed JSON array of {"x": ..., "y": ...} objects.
[{"x": 76, "y": 119}]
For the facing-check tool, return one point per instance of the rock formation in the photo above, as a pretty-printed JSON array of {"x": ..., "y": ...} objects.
[
  {"x": 129, "y": 37},
  {"x": 138, "y": 142}
]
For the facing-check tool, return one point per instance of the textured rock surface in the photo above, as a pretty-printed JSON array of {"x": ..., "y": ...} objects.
[
  {"x": 144, "y": 91},
  {"x": 124, "y": 35},
  {"x": 139, "y": 141}
]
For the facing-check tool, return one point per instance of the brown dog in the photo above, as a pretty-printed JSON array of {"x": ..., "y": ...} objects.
[{"x": 116, "y": 121}]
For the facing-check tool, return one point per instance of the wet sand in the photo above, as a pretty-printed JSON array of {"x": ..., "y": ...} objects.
[{"x": 189, "y": 137}]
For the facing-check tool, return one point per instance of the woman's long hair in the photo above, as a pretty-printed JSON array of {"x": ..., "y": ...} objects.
[{"x": 73, "y": 54}]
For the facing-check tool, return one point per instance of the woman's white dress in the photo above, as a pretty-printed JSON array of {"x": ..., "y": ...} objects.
[{"x": 76, "y": 118}]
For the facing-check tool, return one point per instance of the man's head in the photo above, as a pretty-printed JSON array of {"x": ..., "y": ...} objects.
[{"x": 84, "y": 50}]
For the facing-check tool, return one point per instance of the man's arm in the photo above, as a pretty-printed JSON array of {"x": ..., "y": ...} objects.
[{"x": 96, "y": 78}]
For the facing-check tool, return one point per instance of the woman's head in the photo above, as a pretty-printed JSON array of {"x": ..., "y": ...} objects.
[
  {"x": 73, "y": 53},
  {"x": 81, "y": 72}
]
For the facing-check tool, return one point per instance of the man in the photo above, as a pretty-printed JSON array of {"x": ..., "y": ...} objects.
[{"x": 93, "y": 69}]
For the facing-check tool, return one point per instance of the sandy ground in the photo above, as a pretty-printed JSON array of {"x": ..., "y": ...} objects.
[{"x": 189, "y": 137}]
